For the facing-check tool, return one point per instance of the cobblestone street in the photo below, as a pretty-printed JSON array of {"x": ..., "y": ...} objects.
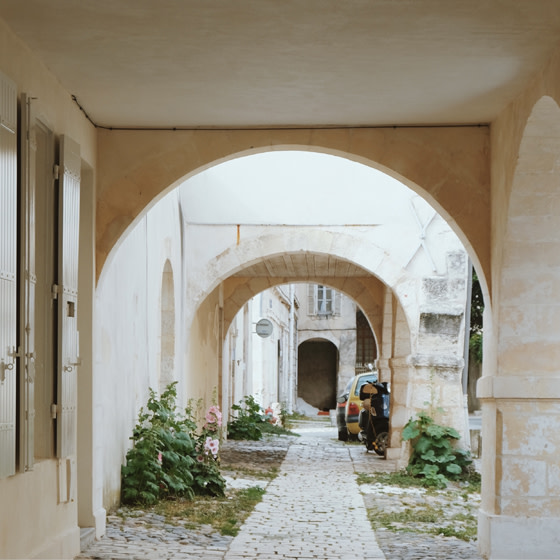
[{"x": 313, "y": 509}]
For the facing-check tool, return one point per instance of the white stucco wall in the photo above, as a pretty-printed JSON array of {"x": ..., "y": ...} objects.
[
  {"x": 255, "y": 364},
  {"x": 128, "y": 333},
  {"x": 340, "y": 329}
]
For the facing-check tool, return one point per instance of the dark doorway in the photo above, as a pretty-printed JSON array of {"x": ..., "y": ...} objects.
[{"x": 317, "y": 368}]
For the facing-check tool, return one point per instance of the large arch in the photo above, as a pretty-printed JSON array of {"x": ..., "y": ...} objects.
[
  {"x": 521, "y": 483},
  {"x": 448, "y": 166}
]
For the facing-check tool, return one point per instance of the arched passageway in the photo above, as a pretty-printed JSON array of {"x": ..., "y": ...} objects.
[
  {"x": 317, "y": 369},
  {"x": 405, "y": 262}
]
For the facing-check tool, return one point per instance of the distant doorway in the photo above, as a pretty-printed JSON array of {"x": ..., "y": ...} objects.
[{"x": 317, "y": 369}]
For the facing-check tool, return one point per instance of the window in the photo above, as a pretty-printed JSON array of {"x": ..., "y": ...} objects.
[
  {"x": 323, "y": 301},
  {"x": 366, "y": 348}
]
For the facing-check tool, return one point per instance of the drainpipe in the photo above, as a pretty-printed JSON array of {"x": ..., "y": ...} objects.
[
  {"x": 291, "y": 352},
  {"x": 466, "y": 352},
  {"x": 221, "y": 342}
]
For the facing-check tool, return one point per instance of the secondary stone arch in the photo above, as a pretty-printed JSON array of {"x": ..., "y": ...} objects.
[
  {"x": 340, "y": 249},
  {"x": 368, "y": 292}
]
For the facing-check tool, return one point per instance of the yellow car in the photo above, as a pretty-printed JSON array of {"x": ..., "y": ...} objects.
[{"x": 352, "y": 413}]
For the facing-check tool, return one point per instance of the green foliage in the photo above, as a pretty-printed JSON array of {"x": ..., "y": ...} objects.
[
  {"x": 248, "y": 421},
  {"x": 276, "y": 430},
  {"x": 168, "y": 458},
  {"x": 477, "y": 309},
  {"x": 475, "y": 346},
  {"x": 434, "y": 454},
  {"x": 477, "y": 304},
  {"x": 225, "y": 514}
]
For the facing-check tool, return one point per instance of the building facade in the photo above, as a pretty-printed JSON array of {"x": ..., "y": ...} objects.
[{"x": 495, "y": 183}]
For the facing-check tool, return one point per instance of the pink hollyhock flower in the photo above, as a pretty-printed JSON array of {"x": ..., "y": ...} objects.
[
  {"x": 200, "y": 458},
  {"x": 160, "y": 457},
  {"x": 212, "y": 445},
  {"x": 214, "y": 415}
]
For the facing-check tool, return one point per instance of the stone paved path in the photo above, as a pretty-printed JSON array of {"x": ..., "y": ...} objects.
[{"x": 312, "y": 510}]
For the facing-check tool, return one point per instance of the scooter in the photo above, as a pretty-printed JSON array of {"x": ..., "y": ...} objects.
[{"x": 374, "y": 417}]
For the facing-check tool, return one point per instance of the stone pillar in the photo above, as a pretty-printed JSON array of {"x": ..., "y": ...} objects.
[
  {"x": 400, "y": 411},
  {"x": 346, "y": 359},
  {"x": 437, "y": 388},
  {"x": 430, "y": 384},
  {"x": 520, "y": 510},
  {"x": 396, "y": 370}
]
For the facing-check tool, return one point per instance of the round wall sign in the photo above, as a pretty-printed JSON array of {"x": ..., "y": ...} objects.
[{"x": 264, "y": 328}]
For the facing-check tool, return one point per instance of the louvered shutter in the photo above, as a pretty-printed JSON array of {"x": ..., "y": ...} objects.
[
  {"x": 28, "y": 281},
  {"x": 8, "y": 276},
  {"x": 68, "y": 342},
  {"x": 311, "y": 299},
  {"x": 336, "y": 298}
]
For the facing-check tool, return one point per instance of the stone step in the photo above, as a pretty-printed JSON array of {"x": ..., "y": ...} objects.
[{"x": 87, "y": 537}]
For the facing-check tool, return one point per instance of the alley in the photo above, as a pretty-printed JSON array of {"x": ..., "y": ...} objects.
[
  {"x": 305, "y": 513},
  {"x": 313, "y": 509}
]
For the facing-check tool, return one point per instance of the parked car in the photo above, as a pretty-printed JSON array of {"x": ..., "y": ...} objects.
[
  {"x": 341, "y": 401},
  {"x": 352, "y": 408}
]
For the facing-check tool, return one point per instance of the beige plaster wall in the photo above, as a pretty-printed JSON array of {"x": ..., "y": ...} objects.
[
  {"x": 203, "y": 366},
  {"x": 520, "y": 387},
  {"x": 35, "y": 524},
  {"x": 53, "y": 103}
]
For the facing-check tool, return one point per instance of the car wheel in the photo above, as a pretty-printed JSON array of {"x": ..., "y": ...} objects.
[{"x": 342, "y": 435}]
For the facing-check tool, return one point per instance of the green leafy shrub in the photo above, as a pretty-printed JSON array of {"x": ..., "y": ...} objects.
[
  {"x": 248, "y": 421},
  {"x": 168, "y": 458},
  {"x": 475, "y": 346},
  {"x": 434, "y": 454}
]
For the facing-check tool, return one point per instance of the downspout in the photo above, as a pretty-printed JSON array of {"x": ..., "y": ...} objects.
[
  {"x": 466, "y": 352},
  {"x": 221, "y": 342},
  {"x": 291, "y": 352}
]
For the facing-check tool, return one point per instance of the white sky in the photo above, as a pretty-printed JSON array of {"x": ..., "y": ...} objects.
[{"x": 293, "y": 187}]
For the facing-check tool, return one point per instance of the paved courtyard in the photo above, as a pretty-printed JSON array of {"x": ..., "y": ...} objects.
[{"x": 313, "y": 509}]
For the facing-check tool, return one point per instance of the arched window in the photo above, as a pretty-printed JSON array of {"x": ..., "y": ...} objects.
[{"x": 167, "y": 355}]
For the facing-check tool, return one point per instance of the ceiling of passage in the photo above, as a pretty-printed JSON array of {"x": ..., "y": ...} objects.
[
  {"x": 303, "y": 266},
  {"x": 284, "y": 63}
]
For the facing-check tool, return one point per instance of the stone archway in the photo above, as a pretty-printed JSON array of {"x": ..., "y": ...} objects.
[
  {"x": 447, "y": 166},
  {"x": 317, "y": 371},
  {"x": 521, "y": 481}
]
